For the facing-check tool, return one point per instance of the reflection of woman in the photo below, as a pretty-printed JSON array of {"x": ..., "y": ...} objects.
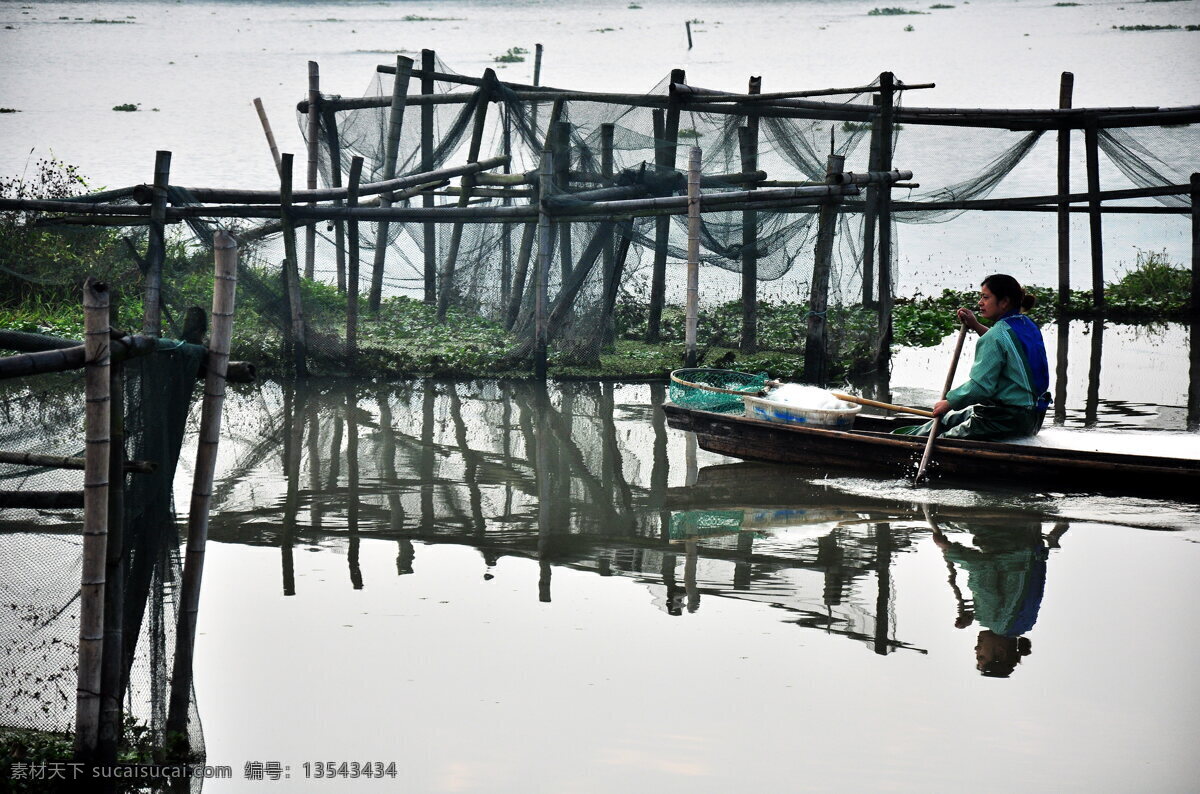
[
  {"x": 1006, "y": 395},
  {"x": 1006, "y": 574}
]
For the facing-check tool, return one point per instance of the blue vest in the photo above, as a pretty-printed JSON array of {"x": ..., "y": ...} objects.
[{"x": 1030, "y": 337}]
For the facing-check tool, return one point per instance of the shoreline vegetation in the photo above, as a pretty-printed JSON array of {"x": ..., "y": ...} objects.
[{"x": 42, "y": 267}]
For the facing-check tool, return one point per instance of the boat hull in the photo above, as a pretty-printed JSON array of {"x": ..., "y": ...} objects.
[{"x": 870, "y": 448}]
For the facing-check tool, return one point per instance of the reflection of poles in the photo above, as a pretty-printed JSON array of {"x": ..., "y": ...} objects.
[
  {"x": 387, "y": 461},
  {"x": 428, "y": 400},
  {"x": 352, "y": 483},
  {"x": 689, "y": 575},
  {"x": 689, "y": 455},
  {"x": 743, "y": 570},
  {"x": 294, "y": 434},
  {"x": 1091, "y": 409},
  {"x": 1193, "y": 410},
  {"x": 542, "y": 470},
  {"x": 1060, "y": 371},
  {"x": 672, "y": 588},
  {"x": 660, "y": 470},
  {"x": 883, "y": 563},
  {"x": 470, "y": 463},
  {"x": 314, "y": 465}
]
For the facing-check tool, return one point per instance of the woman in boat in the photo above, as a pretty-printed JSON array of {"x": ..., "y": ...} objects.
[{"x": 1005, "y": 396}]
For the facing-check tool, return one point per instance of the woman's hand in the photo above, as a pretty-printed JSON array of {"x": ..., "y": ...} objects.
[
  {"x": 941, "y": 408},
  {"x": 967, "y": 318}
]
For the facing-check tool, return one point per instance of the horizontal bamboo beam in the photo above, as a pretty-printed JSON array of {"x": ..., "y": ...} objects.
[
  {"x": 1030, "y": 201},
  {"x": 222, "y": 196},
  {"x": 685, "y": 91},
  {"x": 62, "y": 359},
  {"x": 64, "y": 462},
  {"x": 713, "y": 202},
  {"x": 41, "y": 500},
  {"x": 869, "y": 178}
]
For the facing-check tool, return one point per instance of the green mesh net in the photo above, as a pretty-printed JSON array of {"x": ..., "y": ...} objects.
[{"x": 718, "y": 390}]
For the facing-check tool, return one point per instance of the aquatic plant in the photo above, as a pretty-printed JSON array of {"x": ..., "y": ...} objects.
[
  {"x": 128, "y": 107},
  {"x": 891, "y": 11},
  {"x": 514, "y": 55},
  {"x": 940, "y": 6}
]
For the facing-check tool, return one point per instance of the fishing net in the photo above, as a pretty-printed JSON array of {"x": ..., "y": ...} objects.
[
  {"x": 717, "y": 390},
  {"x": 41, "y": 549}
]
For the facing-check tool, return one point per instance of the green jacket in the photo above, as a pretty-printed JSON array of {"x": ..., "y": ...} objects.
[{"x": 1000, "y": 374}]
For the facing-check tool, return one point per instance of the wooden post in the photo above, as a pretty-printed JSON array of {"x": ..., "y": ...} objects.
[
  {"x": 545, "y": 252},
  {"x": 693, "y": 263},
  {"x": 429, "y": 229},
  {"x": 356, "y": 166},
  {"x": 1095, "y": 227},
  {"x": 157, "y": 246},
  {"x": 748, "y": 143},
  {"x": 446, "y": 282},
  {"x": 537, "y": 65},
  {"x": 505, "y": 229},
  {"x": 561, "y": 136},
  {"x": 689, "y": 32},
  {"x": 1195, "y": 184},
  {"x": 334, "y": 144},
  {"x": 612, "y": 286},
  {"x": 871, "y": 213},
  {"x": 607, "y": 172},
  {"x": 886, "y": 296},
  {"x": 266, "y": 125},
  {"x": 291, "y": 275},
  {"x": 391, "y": 153},
  {"x": 314, "y": 131},
  {"x": 664, "y": 160},
  {"x": 816, "y": 348},
  {"x": 1193, "y": 396},
  {"x": 95, "y": 519},
  {"x": 112, "y": 667},
  {"x": 1065, "y": 88},
  {"x": 223, "y": 304},
  {"x": 1091, "y": 407}
]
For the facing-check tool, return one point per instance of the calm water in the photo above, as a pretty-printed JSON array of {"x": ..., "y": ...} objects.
[{"x": 384, "y": 583}]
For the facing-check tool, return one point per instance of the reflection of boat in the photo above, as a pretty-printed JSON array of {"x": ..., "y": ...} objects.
[{"x": 870, "y": 446}]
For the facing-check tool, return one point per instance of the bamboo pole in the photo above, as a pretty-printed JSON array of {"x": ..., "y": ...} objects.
[
  {"x": 607, "y": 172},
  {"x": 561, "y": 135},
  {"x": 1065, "y": 88},
  {"x": 429, "y": 230},
  {"x": 545, "y": 243},
  {"x": 395, "y": 127},
  {"x": 95, "y": 519},
  {"x": 748, "y": 145},
  {"x": 446, "y": 282},
  {"x": 816, "y": 347},
  {"x": 157, "y": 247},
  {"x": 224, "y": 301},
  {"x": 314, "y": 126},
  {"x": 266, "y": 125},
  {"x": 63, "y": 462},
  {"x": 884, "y": 214},
  {"x": 291, "y": 275},
  {"x": 334, "y": 144},
  {"x": 204, "y": 195},
  {"x": 505, "y": 231},
  {"x": 688, "y": 24},
  {"x": 870, "y": 215},
  {"x": 112, "y": 666},
  {"x": 612, "y": 286},
  {"x": 664, "y": 158},
  {"x": 693, "y": 263},
  {"x": 356, "y": 166},
  {"x": 1195, "y": 186},
  {"x": 1095, "y": 227}
]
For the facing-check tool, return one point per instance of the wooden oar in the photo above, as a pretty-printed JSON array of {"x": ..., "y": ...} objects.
[
  {"x": 937, "y": 420},
  {"x": 904, "y": 409}
]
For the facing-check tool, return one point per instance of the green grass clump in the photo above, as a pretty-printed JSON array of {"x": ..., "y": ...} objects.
[
  {"x": 128, "y": 107},
  {"x": 1065, "y": 5},
  {"x": 1146, "y": 27},
  {"x": 891, "y": 11},
  {"x": 513, "y": 55},
  {"x": 940, "y": 6}
]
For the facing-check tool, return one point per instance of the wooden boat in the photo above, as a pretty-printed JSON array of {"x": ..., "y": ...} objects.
[{"x": 869, "y": 446}]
